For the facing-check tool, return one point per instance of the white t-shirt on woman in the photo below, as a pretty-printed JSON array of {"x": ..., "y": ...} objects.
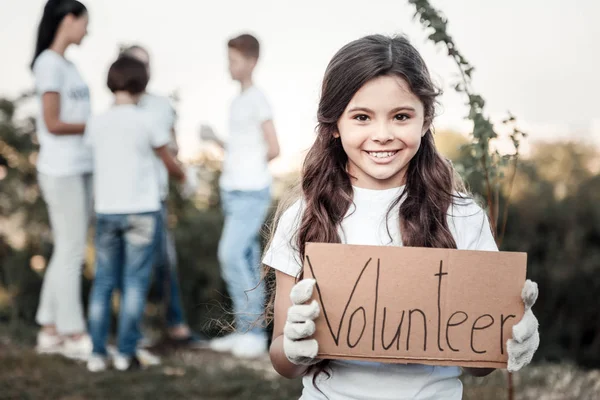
[
  {"x": 365, "y": 224},
  {"x": 62, "y": 155}
]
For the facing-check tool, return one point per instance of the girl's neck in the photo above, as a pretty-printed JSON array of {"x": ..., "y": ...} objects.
[
  {"x": 361, "y": 180},
  {"x": 59, "y": 45},
  {"x": 123, "y": 98}
]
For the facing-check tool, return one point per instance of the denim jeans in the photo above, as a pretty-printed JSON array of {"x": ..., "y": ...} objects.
[
  {"x": 166, "y": 273},
  {"x": 125, "y": 251},
  {"x": 239, "y": 255}
]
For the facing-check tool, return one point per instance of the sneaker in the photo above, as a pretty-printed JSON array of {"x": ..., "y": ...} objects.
[
  {"x": 225, "y": 344},
  {"x": 48, "y": 344},
  {"x": 77, "y": 349},
  {"x": 97, "y": 363},
  {"x": 125, "y": 363},
  {"x": 146, "y": 358},
  {"x": 250, "y": 345}
]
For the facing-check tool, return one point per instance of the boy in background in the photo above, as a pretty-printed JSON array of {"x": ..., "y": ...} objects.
[
  {"x": 245, "y": 197},
  {"x": 125, "y": 144},
  {"x": 161, "y": 110}
]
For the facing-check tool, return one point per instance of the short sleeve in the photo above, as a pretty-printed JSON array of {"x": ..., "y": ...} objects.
[
  {"x": 471, "y": 226},
  {"x": 282, "y": 253},
  {"x": 159, "y": 137},
  {"x": 48, "y": 73},
  {"x": 170, "y": 116},
  {"x": 264, "y": 111},
  {"x": 166, "y": 114}
]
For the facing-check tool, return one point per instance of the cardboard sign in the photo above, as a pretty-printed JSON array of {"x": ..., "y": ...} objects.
[{"x": 416, "y": 305}]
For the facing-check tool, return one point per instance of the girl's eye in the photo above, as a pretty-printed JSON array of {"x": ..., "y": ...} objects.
[
  {"x": 402, "y": 117},
  {"x": 361, "y": 117}
]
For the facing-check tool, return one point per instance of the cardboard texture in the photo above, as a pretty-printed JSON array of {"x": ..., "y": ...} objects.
[{"x": 416, "y": 305}]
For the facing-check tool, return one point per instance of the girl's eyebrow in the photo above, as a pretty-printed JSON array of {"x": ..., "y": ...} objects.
[
  {"x": 363, "y": 109},
  {"x": 369, "y": 111},
  {"x": 403, "y": 108}
]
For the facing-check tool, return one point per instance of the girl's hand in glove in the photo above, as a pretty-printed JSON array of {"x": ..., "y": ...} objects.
[
  {"x": 300, "y": 325},
  {"x": 526, "y": 337}
]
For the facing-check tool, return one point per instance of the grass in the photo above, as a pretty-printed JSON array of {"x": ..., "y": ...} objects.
[{"x": 208, "y": 376}]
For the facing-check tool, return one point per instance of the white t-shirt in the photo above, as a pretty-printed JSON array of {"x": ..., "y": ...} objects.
[
  {"x": 365, "y": 224},
  {"x": 61, "y": 155},
  {"x": 126, "y": 180},
  {"x": 246, "y": 166},
  {"x": 161, "y": 110}
]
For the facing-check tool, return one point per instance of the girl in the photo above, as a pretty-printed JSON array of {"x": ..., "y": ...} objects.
[
  {"x": 64, "y": 172},
  {"x": 374, "y": 177}
]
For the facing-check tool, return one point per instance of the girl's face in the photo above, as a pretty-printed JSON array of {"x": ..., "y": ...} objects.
[
  {"x": 76, "y": 27},
  {"x": 381, "y": 131}
]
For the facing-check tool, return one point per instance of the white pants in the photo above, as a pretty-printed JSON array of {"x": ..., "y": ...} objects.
[{"x": 69, "y": 201}]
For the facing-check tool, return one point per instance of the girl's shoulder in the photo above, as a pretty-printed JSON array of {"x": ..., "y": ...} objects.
[
  {"x": 49, "y": 59},
  {"x": 469, "y": 224},
  {"x": 465, "y": 206}
]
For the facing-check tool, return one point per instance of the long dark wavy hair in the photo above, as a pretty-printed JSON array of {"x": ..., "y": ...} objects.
[
  {"x": 54, "y": 12},
  {"x": 326, "y": 188}
]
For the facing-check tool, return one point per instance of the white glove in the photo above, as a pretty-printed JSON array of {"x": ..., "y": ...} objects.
[
  {"x": 190, "y": 185},
  {"x": 526, "y": 337},
  {"x": 207, "y": 133},
  {"x": 300, "y": 325}
]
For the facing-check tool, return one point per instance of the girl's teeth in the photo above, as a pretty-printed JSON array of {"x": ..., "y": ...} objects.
[{"x": 382, "y": 154}]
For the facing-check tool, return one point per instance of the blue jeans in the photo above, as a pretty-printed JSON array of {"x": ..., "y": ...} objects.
[
  {"x": 239, "y": 255},
  {"x": 125, "y": 249},
  {"x": 166, "y": 273}
]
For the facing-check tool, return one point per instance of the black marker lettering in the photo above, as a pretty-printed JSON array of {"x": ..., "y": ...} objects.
[
  {"x": 502, "y": 321},
  {"x": 376, "y": 298},
  {"x": 364, "y": 315},
  {"x": 336, "y": 337},
  {"x": 410, "y": 313},
  {"x": 450, "y": 324},
  {"x": 480, "y": 328},
  {"x": 440, "y": 275},
  {"x": 396, "y": 336}
]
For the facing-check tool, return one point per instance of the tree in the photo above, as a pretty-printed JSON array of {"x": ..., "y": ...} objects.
[
  {"x": 485, "y": 166},
  {"x": 25, "y": 242}
]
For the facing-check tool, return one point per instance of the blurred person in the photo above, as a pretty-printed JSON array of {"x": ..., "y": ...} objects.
[
  {"x": 64, "y": 169},
  {"x": 160, "y": 109},
  {"x": 246, "y": 197},
  {"x": 126, "y": 143}
]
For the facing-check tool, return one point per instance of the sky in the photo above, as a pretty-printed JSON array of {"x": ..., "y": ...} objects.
[{"x": 537, "y": 58}]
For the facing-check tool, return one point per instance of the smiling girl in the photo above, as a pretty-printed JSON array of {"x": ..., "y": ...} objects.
[{"x": 374, "y": 177}]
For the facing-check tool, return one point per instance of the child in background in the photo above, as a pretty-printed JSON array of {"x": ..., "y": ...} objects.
[
  {"x": 246, "y": 197},
  {"x": 374, "y": 177},
  {"x": 125, "y": 144},
  {"x": 161, "y": 110}
]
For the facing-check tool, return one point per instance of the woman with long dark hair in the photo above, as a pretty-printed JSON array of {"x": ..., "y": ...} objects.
[{"x": 64, "y": 172}]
